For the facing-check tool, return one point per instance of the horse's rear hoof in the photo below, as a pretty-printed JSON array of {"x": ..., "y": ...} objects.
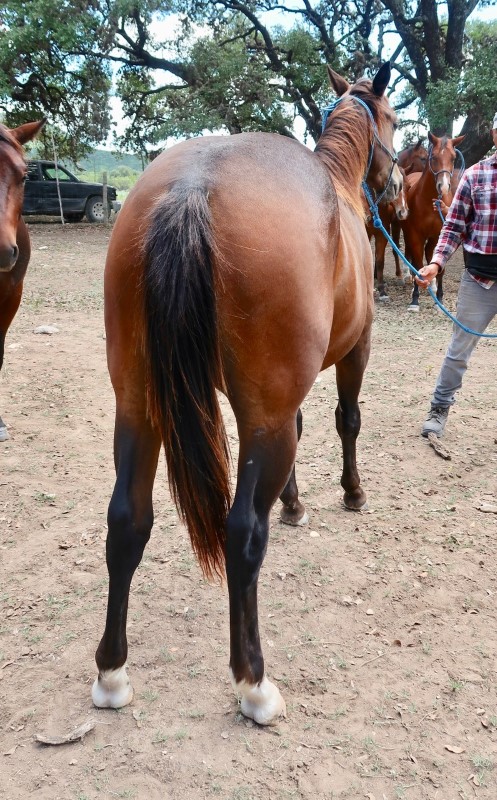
[
  {"x": 412, "y": 307},
  {"x": 112, "y": 689},
  {"x": 383, "y": 297},
  {"x": 294, "y": 516},
  {"x": 4, "y": 434},
  {"x": 262, "y": 702}
]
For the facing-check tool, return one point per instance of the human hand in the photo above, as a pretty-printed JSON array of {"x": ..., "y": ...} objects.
[
  {"x": 426, "y": 275},
  {"x": 439, "y": 204}
]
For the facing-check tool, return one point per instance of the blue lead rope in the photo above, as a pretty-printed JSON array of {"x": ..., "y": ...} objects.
[{"x": 379, "y": 224}]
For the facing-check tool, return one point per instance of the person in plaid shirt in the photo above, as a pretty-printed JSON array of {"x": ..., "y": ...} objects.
[{"x": 472, "y": 221}]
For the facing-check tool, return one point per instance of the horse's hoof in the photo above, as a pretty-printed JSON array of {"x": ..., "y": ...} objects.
[
  {"x": 414, "y": 308},
  {"x": 383, "y": 297},
  {"x": 294, "y": 516},
  {"x": 356, "y": 501},
  {"x": 357, "y": 509},
  {"x": 4, "y": 434},
  {"x": 112, "y": 689},
  {"x": 261, "y": 702}
]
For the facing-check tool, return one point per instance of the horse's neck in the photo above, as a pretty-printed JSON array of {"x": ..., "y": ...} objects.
[
  {"x": 345, "y": 161},
  {"x": 426, "y": 186}
]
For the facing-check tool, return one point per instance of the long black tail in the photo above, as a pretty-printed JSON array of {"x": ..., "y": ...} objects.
[{"x": 184, "y": 367}]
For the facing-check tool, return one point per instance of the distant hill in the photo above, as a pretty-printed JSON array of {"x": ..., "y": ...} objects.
[{"x": 104, "y": 160}]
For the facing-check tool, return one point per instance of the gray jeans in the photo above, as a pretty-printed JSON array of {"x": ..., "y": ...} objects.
[{"x": 476, "y": 307}]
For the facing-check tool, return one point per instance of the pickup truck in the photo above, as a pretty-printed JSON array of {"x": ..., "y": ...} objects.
[{"x": 78, "y": 197}]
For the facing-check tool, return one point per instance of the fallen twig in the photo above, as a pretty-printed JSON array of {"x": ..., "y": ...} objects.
[
  {"x": 438, "y": 447},
  {"x": 74, "y": 736}
]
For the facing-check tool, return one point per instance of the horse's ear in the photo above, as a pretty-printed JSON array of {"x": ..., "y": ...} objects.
[
  {"x": 458, "y": 140},
  {"x": 419, "y": 144},
  {"x": 431, "y": 138},
  {"x": 24, "y": 133},
  {"x": 382, "y": 79},
  {"x": 338, "y": 84}
]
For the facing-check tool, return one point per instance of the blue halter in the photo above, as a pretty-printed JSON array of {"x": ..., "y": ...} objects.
[{"x": 376, "y": 138}]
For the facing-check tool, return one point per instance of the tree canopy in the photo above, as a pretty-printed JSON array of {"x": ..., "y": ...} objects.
[{"x": 240, "y": 65}]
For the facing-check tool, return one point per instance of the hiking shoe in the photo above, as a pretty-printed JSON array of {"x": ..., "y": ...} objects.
[{"x": 435, "y": 421}]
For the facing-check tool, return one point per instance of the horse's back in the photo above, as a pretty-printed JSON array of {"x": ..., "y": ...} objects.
[{"x": 281, "y": 261}]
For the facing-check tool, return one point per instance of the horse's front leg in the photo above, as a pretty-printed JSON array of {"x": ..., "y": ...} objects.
[
  {"x": 265, "y": 462},
  {"x": 379, "y": 261},
  {"x": 415, "y": 250},
  {"x": 401, "y": 270},
  {"x": 429, "y": 249},
  {"x": 10, "y": 298},
  {"x": 349, "y": 374},
  {"x": 293, "y": 512},
  {"x": 130, "y": 519}
]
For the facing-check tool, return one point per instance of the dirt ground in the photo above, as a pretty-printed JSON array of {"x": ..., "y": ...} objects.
[{"x": 379, "y": 628}]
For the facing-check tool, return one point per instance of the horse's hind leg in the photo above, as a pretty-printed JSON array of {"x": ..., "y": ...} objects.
[
  {"x": 293, "y": 512},
  {"x": 265, "y": 461},
  {"x": 130, "y": 518},
  {"x": 349, "y": 372}
]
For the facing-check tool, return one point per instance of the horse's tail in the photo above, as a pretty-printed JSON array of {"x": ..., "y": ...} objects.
[{"x": 184, "y": 367}]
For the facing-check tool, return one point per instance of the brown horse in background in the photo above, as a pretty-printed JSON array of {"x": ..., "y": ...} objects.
[
  {"x": 15, "y": 248},
  {"x": 238, "y": 263},
  {"x": 388, "y": 212},
  {"x": 422, "y": 227},
  {"x": 413, "y": 158}
]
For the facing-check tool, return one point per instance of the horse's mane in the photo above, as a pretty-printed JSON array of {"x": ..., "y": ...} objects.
[
  {"x": 346, "y": 135},
  {"x": 8, "y": 138}
]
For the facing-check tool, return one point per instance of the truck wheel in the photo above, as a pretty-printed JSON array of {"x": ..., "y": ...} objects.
[{"x": 95, "y": 210}]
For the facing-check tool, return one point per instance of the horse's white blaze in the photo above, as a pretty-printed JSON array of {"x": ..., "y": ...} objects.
[
  {"x": 443, "y": 183},
  {"x": 112, "y": 689},
  {"x": 261, "y": 702}
]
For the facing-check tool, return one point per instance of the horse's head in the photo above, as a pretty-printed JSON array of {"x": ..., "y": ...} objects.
[
  {"x": 413, "y": 158},
  {"x": 441, "y": 159},
  {"x": 12, "y": 177},
  {"x": 382, "y": 174},
  {"x": 400, "y": 203}
]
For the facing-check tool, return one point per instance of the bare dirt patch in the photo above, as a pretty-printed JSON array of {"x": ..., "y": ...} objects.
[{"x": 379, "y": 628}]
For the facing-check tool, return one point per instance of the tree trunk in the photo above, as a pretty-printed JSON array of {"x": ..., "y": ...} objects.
[{"x": 478, "y": 138}]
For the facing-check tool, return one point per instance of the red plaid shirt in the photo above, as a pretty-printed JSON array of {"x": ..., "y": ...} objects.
[{"x": 472, "y": 217}]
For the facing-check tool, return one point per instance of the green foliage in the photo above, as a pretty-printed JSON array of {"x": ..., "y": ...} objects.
[
  {"x": 443, "y": 97},
  {"x": 474, "y": 86},
  {"x": 228, "y": 67},
  {"x": 44, "y": 73}
]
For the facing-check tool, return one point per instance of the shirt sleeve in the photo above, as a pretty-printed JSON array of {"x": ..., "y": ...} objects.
[{"x": 456, "y": 223}]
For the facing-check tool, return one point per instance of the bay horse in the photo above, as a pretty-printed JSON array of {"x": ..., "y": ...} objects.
[
  {"x": 413, "y": 158},
  {"x": 389, "y": 212},
  {"x": 241, "y": 264},
  {"x": 15, "y": 248},
  {"x": 422, "y": 227}
]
